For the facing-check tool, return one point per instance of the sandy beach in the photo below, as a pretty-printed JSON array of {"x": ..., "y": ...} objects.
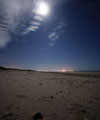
[{"x": 57, "y": 96}]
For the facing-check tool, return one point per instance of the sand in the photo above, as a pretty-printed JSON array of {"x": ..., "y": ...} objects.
[{"x": 56, "y": 96}]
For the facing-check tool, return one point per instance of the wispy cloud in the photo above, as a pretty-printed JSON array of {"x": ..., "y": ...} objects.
[
  {"x": 55, "y": 34},
  {"x": 4, "y": 38},
  {"x": 32, "y": 27},
  {"x": 38, "y": 18},
  {"x": 34, "y": 24},
  {"x": 18, "y": 17}
]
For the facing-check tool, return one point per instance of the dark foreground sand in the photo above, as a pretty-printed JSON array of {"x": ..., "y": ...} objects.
[{"x": 57, "y": 96}]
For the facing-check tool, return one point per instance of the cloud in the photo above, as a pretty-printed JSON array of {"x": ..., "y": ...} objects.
[
  {"x": 32, "y": 28},
  {"x": 4, "y": 38},
  {"x": 34, "y": 24},
  {"x": 55, "y": 34},
  {"x": 17, "y": 17},
  {"x": 38, "y": 18}
]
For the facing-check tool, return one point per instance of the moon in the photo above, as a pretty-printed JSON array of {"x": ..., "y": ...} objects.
[{"x": 42, "y": 9}]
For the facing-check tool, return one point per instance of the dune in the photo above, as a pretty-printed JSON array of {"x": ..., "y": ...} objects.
[{"x": 31, "y": 95}]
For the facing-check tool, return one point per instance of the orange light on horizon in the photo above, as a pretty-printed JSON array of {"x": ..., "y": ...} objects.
[
  {"x": 66, "y": 70},
  {"x": 59, "y": 70},
  {"x": 63, "y": 70}
]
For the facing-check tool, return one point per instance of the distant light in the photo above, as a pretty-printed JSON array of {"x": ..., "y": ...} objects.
[
  {"x": 42, "y": 9},
  {"x": 66, "y": 70},
  {"x": 63, "y": 70}
]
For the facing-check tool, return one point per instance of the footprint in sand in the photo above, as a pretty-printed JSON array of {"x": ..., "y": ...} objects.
[
  {"x": 7, "y": 115},
  {"x": 22, "y": 96}
]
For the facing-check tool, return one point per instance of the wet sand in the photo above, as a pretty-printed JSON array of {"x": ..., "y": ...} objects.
[{"x": 53, "y": 96}]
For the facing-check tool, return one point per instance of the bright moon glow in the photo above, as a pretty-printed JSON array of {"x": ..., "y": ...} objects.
[{"x": 42, "y": 9}]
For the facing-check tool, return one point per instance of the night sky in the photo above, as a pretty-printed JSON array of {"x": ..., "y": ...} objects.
[{"x": 50, "y": 34}]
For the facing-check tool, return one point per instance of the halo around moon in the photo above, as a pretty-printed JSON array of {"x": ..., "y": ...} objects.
[{"x": 42, "y": 9}]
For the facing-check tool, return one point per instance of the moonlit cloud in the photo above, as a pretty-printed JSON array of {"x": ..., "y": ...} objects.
[
  {"x": 18, "y": 17},
  {"x": 38, "y": 18},
  {"x": 4, "y": 38},
  {"x": 55, "y": 34},
  {"x": 36, "y": 23},
  {"x": 32, "y": 28}
]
